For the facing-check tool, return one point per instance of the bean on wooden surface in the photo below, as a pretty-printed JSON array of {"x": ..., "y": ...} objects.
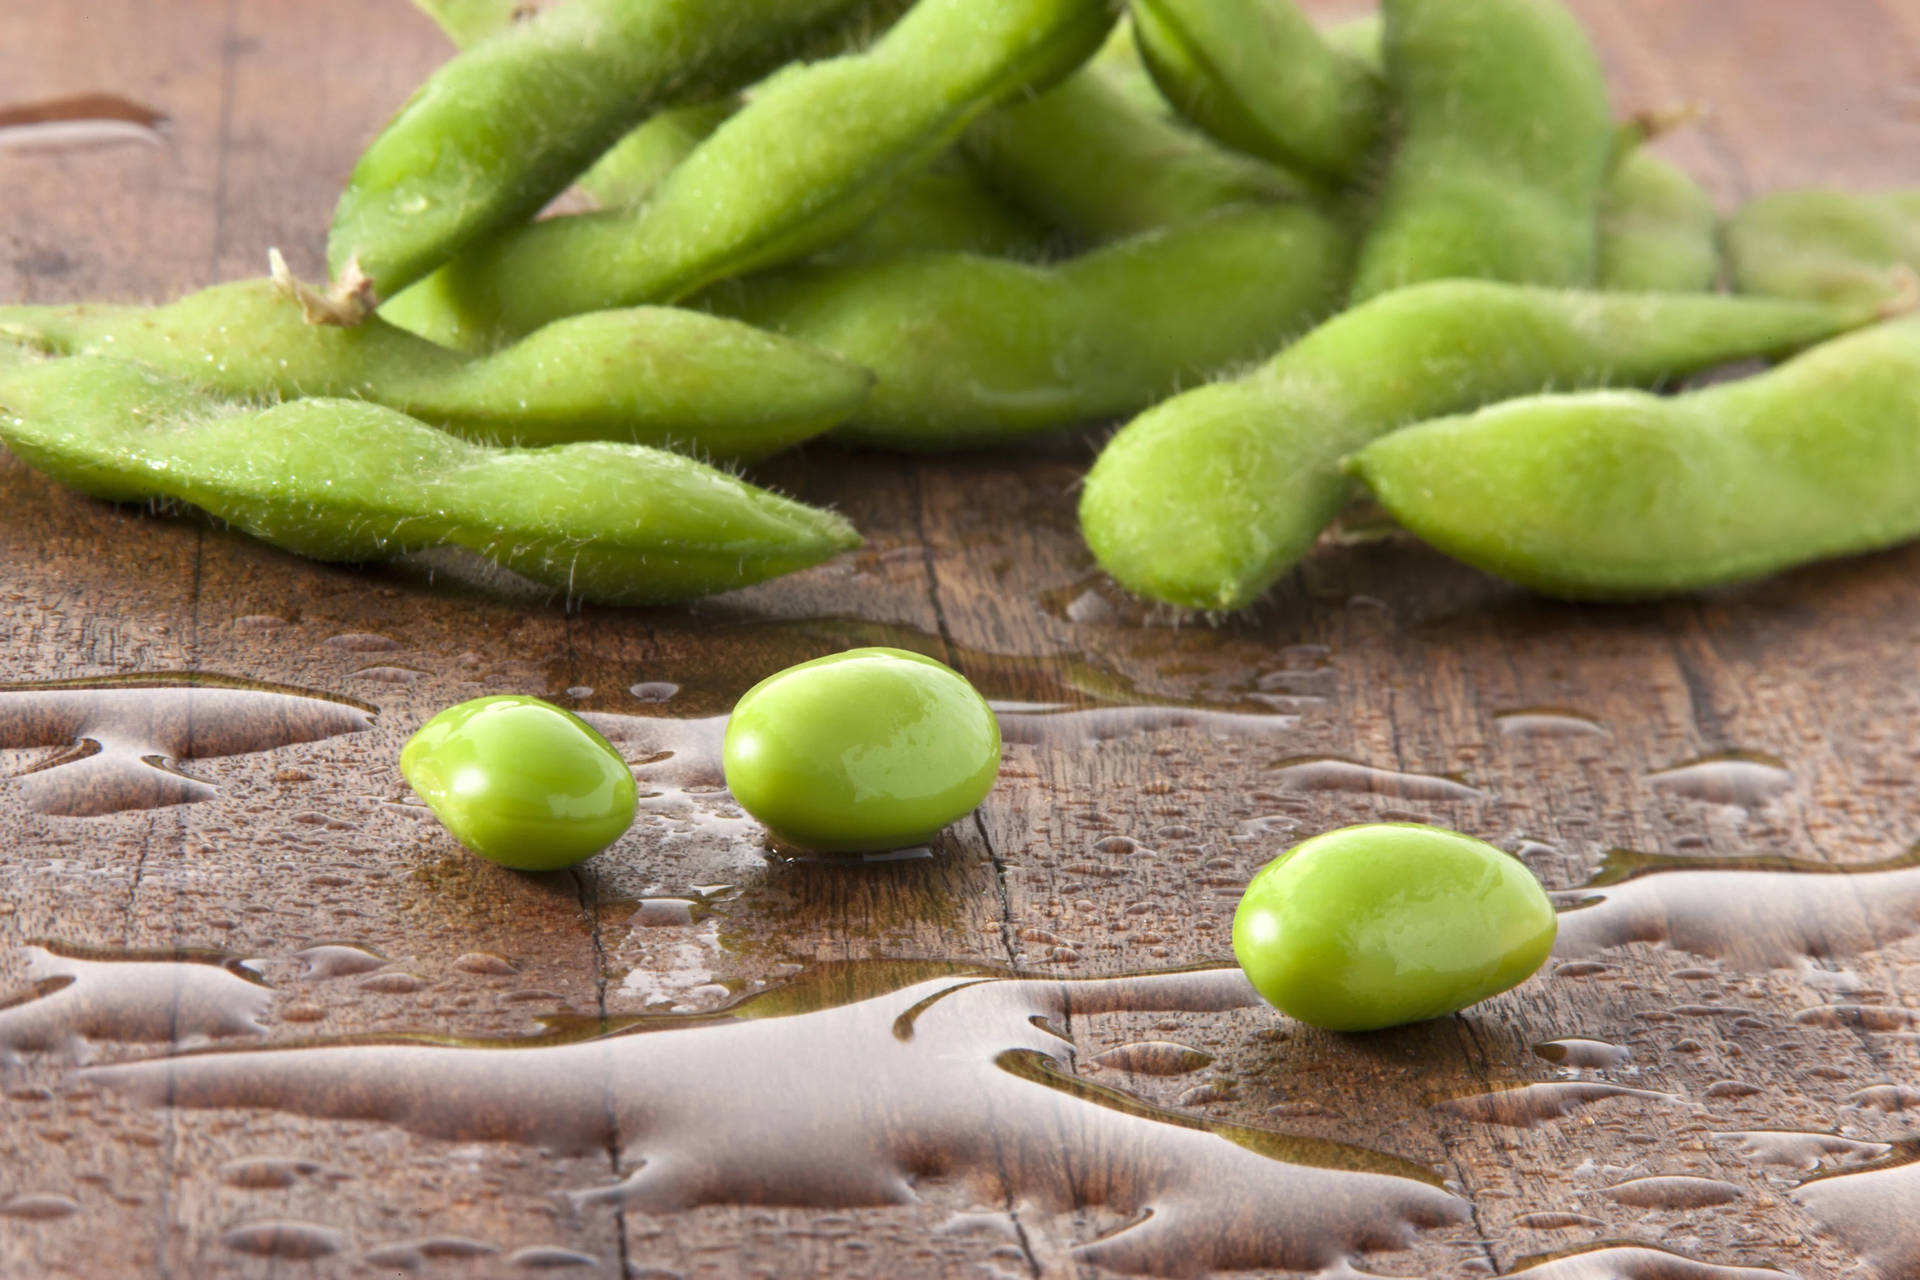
[{"x": 1833, "y": 246}]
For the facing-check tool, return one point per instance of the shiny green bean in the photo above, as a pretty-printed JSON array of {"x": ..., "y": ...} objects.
[
  {"x": 806, "y": 161},
  {"x": 1207, "y": 498},
  {"x": 502, "y": 128},
  {"x": 1086, "y": 157},
  {"x": 650, "y": 375},
  {"x": 1259, "y": 76},
  {"x": 345, "y": 480},
  {"x": 1617, "y": 494},
  {"x": 1825, "y": 245},
  {"x": 1504, "y": 147},
  {"x": 973, "y": 350}
]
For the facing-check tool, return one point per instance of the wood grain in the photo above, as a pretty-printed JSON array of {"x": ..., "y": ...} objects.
[{"x": 1093, "y": 857}]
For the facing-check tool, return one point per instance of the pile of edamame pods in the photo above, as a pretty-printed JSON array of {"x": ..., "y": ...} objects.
[{"x": 1292, "y": 259}]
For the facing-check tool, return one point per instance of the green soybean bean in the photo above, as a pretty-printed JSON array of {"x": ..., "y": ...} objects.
[
  {"x": 650, "y": 375},
  {"x": 521, "y": 782},
  {"x": 1259, "y": 76},
  {"x": 1118, "y": 62},
  {"x": 499, "y": 130},
  {"x": 1830, "y": 246},
  {"x": 861, "y": 751},
  {"x": 973, "y": 350},
  {"x": 1087, "y": 158},
  {"x": 1659, "y": 230},
  {"x": 804, "y": 163},
  {"x": 1504, "y": 147},
  {"x": 1379, "y": 925},
  {"x": 1621, "y": 494},
  {"x": 345, "y": 480},
  {"x": 1362, "y": 38},
  {"x": 1207, "y": 498}
]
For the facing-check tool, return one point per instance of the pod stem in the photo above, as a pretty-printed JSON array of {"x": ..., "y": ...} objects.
[
  {"x": 346, "y": 304},
  {"x": 1905, "y": 298}
]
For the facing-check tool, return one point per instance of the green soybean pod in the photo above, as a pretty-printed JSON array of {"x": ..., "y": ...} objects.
[
  {"x": 1659, "y": 230},
  {"x": 1619, "y": 494},
  {"x": 649, "y": 375},
  {"x": 345, "y": 480},
  {"x": 502, "y": 128},
  {"x": 970, "y": 351},
  {"x": 1825, "y": 245},
  {"x": 1086, "y": 157},
  {"x": 803, "y": 164},
  {"x": 1503, "y": 151},
  {"x": 1207, "y": 498},
  {"x": 1259, "y": 76},
  {"x": 1362, "y": 38}
]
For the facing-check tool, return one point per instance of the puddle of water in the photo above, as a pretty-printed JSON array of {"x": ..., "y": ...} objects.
[
  {"x": 1526, "y": 1106},
  {"x": 1327, "y": 773},
  {"x": 1773, "y": 913},
  {"x": 79, "y": 997},
  {"x": 953, "y": 1076},
  {"x": 121, "y": 739},
  {"x": 81, "y": 120},
  {"x": 1635, "y": 1262},
  {"x": 1873, "y": 1211},
  {"x": 1743, "y": 779}
]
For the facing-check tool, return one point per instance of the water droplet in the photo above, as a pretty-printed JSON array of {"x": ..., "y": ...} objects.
[
  {"x": 1548, "y": 722},
  {"x": 486, "y": 964},
  {"x": 338, "y": 960},
  {"x": 362, "y": 642},
  {"x": 1525, "y": 1106},
  {"x": 1673, "y": 1192},
  {"x": 41, "y": 1207},
  {"x": 282, "y": 1238},
  {"x": 1638, "y": 1262},
  {"x": 1802, "y": 1151},
  {"x": 1582, "y": 1054},
  {"x": 653, "y": 690},
  {"x": 1154, "y": 1058},
  {"x": 77, "y": 122},
  {"x": 1744, "y": 779},
  {"x": 1327, "y": 773},
  {"x": 550, "y": 1258}
]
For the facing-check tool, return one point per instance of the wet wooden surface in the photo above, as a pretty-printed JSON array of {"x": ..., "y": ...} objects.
[{"x": 1116, "y": 842}]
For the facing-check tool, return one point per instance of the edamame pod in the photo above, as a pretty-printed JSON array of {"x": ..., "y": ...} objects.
[
  {"x": 345, "y": 480},
  {"x": 804, "y": 163},
  {"x": 1659, "y": 230},
  {"x": 1259, "y": 76},
  {"x": 972, "y": 350},
  {"x": 1619, "y": 494},
  {"x": 650, "y": 375},
  {"x": 1205, "y": 499},
  {"x": 502, "y": 128},
  {"x": 1505, "y": 145},
  {"x": 1085, "y": 157},
  {"x": 1833, "y": 246}
]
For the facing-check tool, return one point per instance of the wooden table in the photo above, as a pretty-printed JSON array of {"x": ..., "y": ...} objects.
[{"x": 919, "y": 1129}]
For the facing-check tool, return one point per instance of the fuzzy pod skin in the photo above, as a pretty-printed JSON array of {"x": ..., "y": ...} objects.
[
  {"x": 971, "y": 351},
  {"x": 1659, "y": 231},
  {"x": 1617, "y": 494},
  {"x": 346, "y": 480},
  {"x": 502, "y": 128},
  {"x": 1390, "y": 923},
  {"x": 1086, "y": 157},
  {"x": 1258, "y": 75},
  {"x": 1205, "y": 499},
  {"x": 648, "y": 375},
  {"x": 1824, "y": 245},
  {"x": 800, "y": 167},
  {"x": 1505, "y": 144}
]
